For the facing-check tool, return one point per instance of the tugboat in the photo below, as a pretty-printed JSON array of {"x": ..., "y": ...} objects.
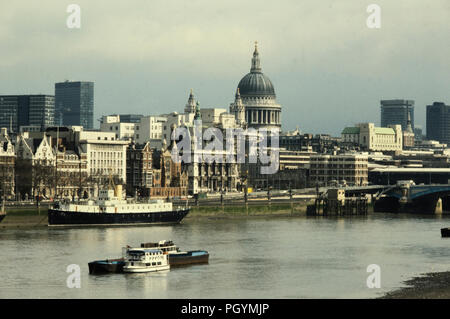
[
  {"x": 145, "y": 260},
  {"x": 110, "y": 209}
]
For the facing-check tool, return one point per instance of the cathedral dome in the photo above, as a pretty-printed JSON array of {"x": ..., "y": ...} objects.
[{"x": 256, "y": 83}]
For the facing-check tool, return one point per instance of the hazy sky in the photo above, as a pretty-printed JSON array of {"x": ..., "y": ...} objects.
[{"x": 328, "y": 68}]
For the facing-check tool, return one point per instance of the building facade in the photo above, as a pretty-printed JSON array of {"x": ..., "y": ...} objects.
[
  {"x": 74, "y": 104},
  {"x": 397, "y": 112},
  {"x": 26, "y": 110},
  {"x": 369, "y": 137},
  {"x": 139, "y": 169},
  {"x": 438, "y": 122},
  {"x": 7, "y": 166},
  {"x": 114, "y": 124},
  {"x": 329, "y": 169}
]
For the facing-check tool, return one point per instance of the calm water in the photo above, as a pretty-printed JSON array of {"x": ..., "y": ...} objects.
[{"x": 249, "y": 258}]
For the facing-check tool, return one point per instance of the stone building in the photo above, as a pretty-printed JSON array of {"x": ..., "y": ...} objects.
[
  {"x": 153, "y": 173},
  {"x": 139, "y": 169},
  {"x": 408, "y": 135},
  {"x": 35, "y": 166},
  {"x": 7, "y": 166},
  {"x": 371, "y": 138},
  {"x": 170, "y": 179},
  {"x": 328, "y": 169},
  {"x": 68, "y": 162}
]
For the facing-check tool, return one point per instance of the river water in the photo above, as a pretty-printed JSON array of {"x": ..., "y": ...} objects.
[{"x": 282, "y": 257}]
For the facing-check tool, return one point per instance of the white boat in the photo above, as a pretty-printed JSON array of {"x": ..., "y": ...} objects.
[
  {"x": 145, "y": 260},
  {"x": 111, "y": 209}
]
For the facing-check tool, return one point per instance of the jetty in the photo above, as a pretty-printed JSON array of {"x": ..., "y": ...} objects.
[{"x": 334, "y": 202}]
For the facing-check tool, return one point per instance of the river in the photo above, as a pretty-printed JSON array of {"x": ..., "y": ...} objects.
[{"x": 259, "y": 257}]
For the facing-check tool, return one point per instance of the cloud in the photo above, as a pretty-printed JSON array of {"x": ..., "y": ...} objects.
[{"x": 148, "y": 54}]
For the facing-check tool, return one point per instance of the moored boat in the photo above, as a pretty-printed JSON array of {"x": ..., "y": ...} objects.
[
  {"x": 445, "y": 232},
  {"x": 110, "y": 209},
  {"x": 188, "y": 258},
  {"x": 106, "y": 266},
  {"x": 175, "y": 257},
  {"x": 145, "y": 260}
]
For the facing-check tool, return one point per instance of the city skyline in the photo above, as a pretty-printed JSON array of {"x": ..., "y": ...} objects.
[{"x": 146, "y": 58}]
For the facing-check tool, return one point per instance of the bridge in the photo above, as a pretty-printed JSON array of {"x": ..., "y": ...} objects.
[{"x": 406, "y": 197}]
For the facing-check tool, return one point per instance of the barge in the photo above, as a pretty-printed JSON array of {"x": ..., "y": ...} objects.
[{"x": 106, "y": 266}]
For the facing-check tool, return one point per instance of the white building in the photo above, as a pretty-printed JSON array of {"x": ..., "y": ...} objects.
[
  {"x": 150, "y": 128},
  {"x": 105, "y": 153},
  {"x": 372, "y": 138},
  {"x": 122, "y": 131}
]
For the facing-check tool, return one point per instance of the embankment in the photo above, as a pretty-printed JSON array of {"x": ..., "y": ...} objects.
[
  {"x": 25, "y": 217},
  {"x": 32, "y": 217}
]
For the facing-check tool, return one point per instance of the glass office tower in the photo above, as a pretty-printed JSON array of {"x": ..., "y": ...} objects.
[
  {"x": 74, "y": 103},
  {"x": 27, "y": 110},
  {"x": 438, "y": 122},
  {"x": 396, "y": 112}
]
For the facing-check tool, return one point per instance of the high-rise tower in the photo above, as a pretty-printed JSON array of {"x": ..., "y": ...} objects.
[{"x": 74, "y": 103}]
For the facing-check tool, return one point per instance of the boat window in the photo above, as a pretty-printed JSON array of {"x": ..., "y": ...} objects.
[
  {"x": 159, "y": 263},
  {"x": 153, "y": 264}
]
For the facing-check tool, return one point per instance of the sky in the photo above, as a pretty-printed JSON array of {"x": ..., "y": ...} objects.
[{"x": 329, "y": 69}]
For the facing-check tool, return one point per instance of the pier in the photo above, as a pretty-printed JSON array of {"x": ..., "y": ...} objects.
[{"x": 335, "y": 203}]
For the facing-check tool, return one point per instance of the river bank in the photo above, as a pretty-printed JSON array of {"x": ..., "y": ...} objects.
[
  {"x": 32, "y": 217},
  {"x": 429, "y": 286}
]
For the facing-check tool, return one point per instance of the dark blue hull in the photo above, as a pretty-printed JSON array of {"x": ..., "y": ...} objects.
[
  {"x": 190, "y": 257},
  {"x": 106, "y": 266},
  {"x": 63, "y": 218}
]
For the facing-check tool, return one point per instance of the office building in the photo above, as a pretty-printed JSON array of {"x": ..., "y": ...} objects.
[
  {"x": 396, "y": 112},
  {"x": 438, "y": 122},
  {"x": 130, "y": 118},
  {"x": 351, "y": 169},
  {"x": 26, "y": 110},
  {"x": 74, "y": 104}
]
